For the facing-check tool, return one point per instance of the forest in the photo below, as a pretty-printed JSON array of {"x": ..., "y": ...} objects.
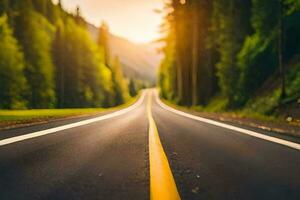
[
  {"x": 49, "y": 60},
  {"x": 231, "y": 54}
]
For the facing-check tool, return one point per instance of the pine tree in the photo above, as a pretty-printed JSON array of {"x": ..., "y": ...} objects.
[
  {"x": 281, "y": 32},
  {"x": 58, "y": 55},
  {"x": 132, "y": 88},
  {"x": 120, "y": 84},
  {"x": 35, "y": 35},
  {"x": 3, "y": 7},
  {"x": 12, "y": 80},
  {"x": 233, "y": 20},
  {"x": 40, "y": 6},
  {"x": 103, "y": 42},
  {"x": 57, "y": 58}
]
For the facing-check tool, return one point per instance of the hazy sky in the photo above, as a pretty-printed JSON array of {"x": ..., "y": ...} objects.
[{"x": 132, "y": 19}]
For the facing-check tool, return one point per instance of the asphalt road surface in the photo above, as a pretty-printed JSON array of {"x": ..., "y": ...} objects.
[{"x": 108, "y": 158}]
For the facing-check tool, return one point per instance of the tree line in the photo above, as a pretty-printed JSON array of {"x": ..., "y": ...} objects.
[
  {"x": 49, "y": 60},
  {"x": 228, "y": 48}
]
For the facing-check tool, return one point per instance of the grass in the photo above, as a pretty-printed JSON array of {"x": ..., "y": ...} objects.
[
  {"x": 218, "y": 106},
  {"x": 8, "y": 115},
  {"x": 19, "y": 116},
  {"x": 264, "y": 107}
]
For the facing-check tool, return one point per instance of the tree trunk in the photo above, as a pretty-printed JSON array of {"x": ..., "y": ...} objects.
[
  {"x": 281, "y": 49},
  {"x": 195, "y": 58}
]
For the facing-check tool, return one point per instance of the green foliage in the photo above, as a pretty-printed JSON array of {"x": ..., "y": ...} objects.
[
  {"x": 3, "y": 7},
  {"x": 57, "y": 57},
  {"x": 234, "y": 25},
  {"x": 132, "y": 88},
  {"x": 35, "y": 34},
  {"x": 256, "y": 61},
  {"x": 258, "y": 57},
  {"x": 217, "y": 104},
  {"x": 167, "y": 75},
  {"x": 263, "y": 104},
  {"x": 293, "y": 6},
  {"x": 293, "y": 82},
  {"x": 187, "y": 75},
  {"x": 267, "y": 103},
  {"x": 12, "y": 81},
  {"x": 40, "y": 6},
  {"x": 120, "y": 84},
  {"x": 264, "y": 17},
  {"x": 47, "y": 9},
  {"x": 292, "y": 41},
  {"x": 135, "y": 85},
  {"x": 58, "y": 52},
  {"x": 17, "y": 117},
  {"x": 82, "y": 79},
  {"x": 243, "y": 42},
  {"x": 44, "y": 114},
  {"x": 103, "y": 39}
]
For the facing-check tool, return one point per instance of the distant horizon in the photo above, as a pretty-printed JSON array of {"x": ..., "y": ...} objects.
[{"x": 141, "y": 23}]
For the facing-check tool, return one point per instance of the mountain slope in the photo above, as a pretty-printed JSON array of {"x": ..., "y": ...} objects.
[{"x": 138, "y": 61}]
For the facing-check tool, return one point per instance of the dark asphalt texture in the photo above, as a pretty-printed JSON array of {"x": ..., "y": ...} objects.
[
  {"x": 109, "y": 160},
  {"x": 211, "y": 162},
  {"x": 102, "y": 160}
]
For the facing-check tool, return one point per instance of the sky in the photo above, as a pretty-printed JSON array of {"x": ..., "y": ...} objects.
[{"x": 132, "y": 19}]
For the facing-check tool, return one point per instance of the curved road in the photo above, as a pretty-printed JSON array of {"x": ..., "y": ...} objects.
[{"x": 108, "y": 158}]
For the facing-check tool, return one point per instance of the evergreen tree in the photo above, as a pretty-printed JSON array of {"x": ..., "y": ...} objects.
[
  {"x": 120, "y": 84},
  {"x": 187, "y": 72},
  {"x": 35, "y": 35},
  {"x": 132, "y": 88},
  {"x": 257, "y": 59},
  {"x": 12, "y": 81},
  {"x": 40, "y": 6},
  {"x": 59, "y": 60},
  {"x": 233, "y": 18},
  {"x": 86, "y": 80},
  {"x": 103, "y": 42},
  {"x": 3, "y": 7},
  {"x": 53, "y": 12}
]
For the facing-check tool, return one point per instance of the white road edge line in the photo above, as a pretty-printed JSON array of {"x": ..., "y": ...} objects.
[
  {"x": 234, "y": 128},
  {"x": 73, "y": 125}
]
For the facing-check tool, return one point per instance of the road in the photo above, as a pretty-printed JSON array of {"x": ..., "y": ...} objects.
[{"x": 145, "y": 150}]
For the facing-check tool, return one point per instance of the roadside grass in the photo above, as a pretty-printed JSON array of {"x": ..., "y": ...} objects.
[
  {"x": 11, "y": 115},
  {"x": 264, "y": 106},
  {"x": 258, "y": 113},
  {"x": 217, "y": 107},
  {"x": 272, "y": 122},
  {"x": 37, "y": 115}
]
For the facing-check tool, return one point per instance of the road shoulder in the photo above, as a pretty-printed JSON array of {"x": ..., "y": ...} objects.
[
  {"x": 10, "y": 120},
  {"x": 249, "y": 127}
]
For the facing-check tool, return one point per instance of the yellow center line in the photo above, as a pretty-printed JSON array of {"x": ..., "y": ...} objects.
[{"x": 162, "y": 184}]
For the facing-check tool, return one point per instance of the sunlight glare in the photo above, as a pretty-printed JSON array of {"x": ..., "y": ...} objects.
[
  {"x": 182, "y": 1},
  {"x": 135, "y": 20}
]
